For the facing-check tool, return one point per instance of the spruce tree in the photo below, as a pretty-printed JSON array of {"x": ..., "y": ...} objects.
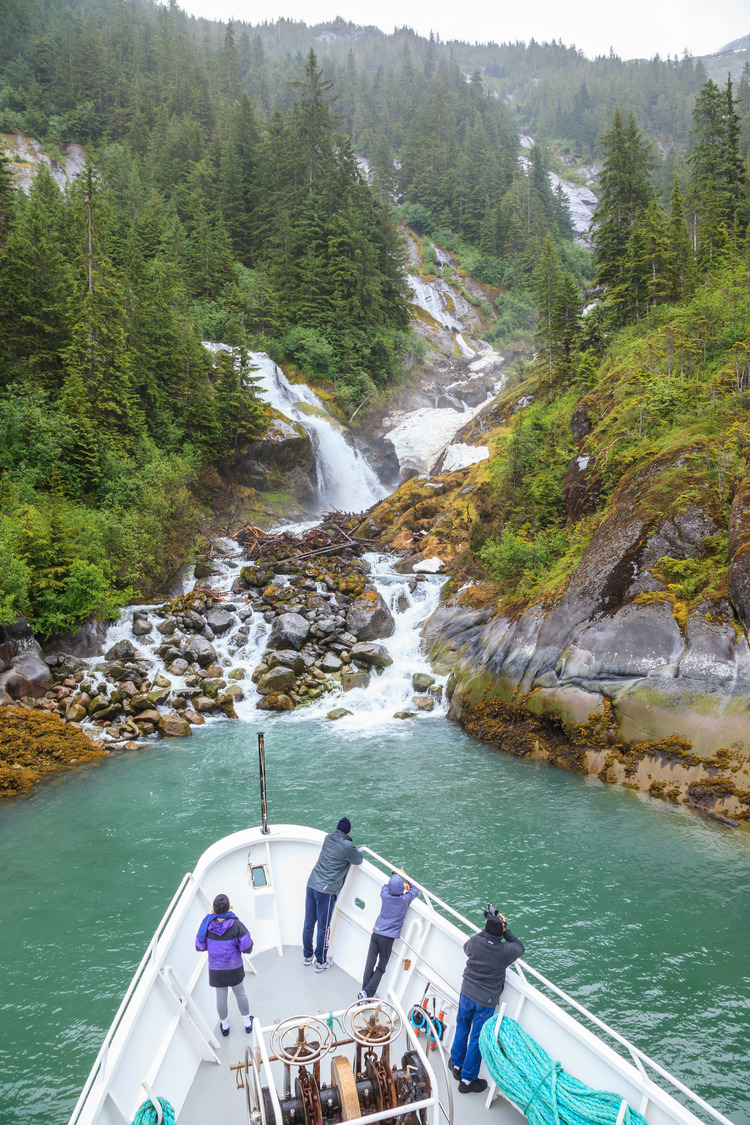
[
  {"x": 625, "y": 192},
  {"x": 679, "y": 260},
  {"x": 718, "y": 187}
]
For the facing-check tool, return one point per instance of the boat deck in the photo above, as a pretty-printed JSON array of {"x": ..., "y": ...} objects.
[{"x": 296, "y": 989}]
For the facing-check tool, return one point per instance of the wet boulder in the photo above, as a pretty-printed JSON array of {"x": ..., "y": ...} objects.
[
  {"x": 276, "y": 701},
  {"x": 219, "y": 621},
  {"x": 173, "y": 725},
  {"x": 277, "y": 679},
  {"x": 352, "y": 680},
  {"x": 287, "y": 656},
  {"x": 331, "y": 663},
  {"x": 256, "y": 576},
  {"x": 123, "y": 650},
  {"x": 422, "y": 681},
  {"x": 28, "y": 675},
  {"x": 289, "y": 630},
  {"x": 205, "y": 703},
  {"x": 167, "y": 626},
  {"x": 150, "y": 718},
  {"x": 423, "y": 702},
  {"x": 199, "y": 650},
  {"x": 193, "y": 621},
  {"x": 368, "y": 617},
  {"x": 141, "y": 627},
  {"x": 365, "y": 652}
]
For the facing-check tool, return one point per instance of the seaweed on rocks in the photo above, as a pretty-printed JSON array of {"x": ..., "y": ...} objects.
[{"x": 35, "y": 743}]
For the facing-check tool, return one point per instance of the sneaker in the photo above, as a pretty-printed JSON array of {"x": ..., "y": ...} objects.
[
  {"x": 474, "y": 1087},
  {"x": 321, "y": 966},
  {"x": 307, "y": 960},
  {"x": 362, "y": 997},
  {"x": 455, "y": 1071},
  {"x": 224, "y": 1029},
  {"x": 249, "y": 1024}
]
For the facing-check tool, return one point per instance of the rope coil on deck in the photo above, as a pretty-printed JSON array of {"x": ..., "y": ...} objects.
[
  {"x": 147, "y": 1115},
  {"x": 544, "y": 1092}
]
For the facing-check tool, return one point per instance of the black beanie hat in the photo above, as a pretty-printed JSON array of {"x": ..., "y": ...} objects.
[
  {"x": 221, "y": 904},
  {"x": 495, "y": 927},
  {"x": 344, "y": 825}
]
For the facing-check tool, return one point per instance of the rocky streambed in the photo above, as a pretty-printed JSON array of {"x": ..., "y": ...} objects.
[{"x": 274, "y": 634}]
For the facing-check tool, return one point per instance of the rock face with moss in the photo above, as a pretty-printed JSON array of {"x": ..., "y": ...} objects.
[
  {"x": 627, "y": 658},
  {"x": 622, "y": 676}
]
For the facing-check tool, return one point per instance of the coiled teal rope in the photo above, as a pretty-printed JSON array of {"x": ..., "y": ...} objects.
[
  {"x": 146, "y": 1114},
  {"x": 541, "y": 1089}
]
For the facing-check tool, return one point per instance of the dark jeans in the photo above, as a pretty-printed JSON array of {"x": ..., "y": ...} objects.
[
  {"x": 470, "y": 1020},
  {"x": 318, "y": 910},
  {"x": 380, "y": 951}
]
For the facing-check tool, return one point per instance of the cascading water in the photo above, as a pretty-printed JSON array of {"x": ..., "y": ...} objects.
[
  {"x": 345, "y": 480},
  {"x": 410, "y": 598}
]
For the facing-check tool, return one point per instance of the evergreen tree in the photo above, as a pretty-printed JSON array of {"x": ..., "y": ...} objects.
[
  {"x": 718, "y": 188},
  {"x": 314, "y": 123},
  {"x": 558, "y": 304},
  {"x": 679, "y": 259},
  {"x": 240, "y": 414},
  {"x": 625, "y": 193}
]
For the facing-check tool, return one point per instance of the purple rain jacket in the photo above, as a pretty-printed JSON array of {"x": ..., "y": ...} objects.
[
  {"x": 226, "y": 940},
  {"x": 395, "y": 901}
]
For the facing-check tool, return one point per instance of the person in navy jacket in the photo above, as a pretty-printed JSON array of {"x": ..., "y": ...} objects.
[
  {"x": 225, "y": 939},
  {"x": 395, "y": 897}
]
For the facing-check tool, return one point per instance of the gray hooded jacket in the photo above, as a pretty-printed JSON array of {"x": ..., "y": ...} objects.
[
  {"x": 337, "y": 853},
  {"x": 487, "y": 958}
]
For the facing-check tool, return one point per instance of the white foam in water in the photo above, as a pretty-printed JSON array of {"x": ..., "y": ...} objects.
[
  {"x": 391, "y": 690},
  {"x": 411, "y": 600},
  {"x": 345, "y": 479}
]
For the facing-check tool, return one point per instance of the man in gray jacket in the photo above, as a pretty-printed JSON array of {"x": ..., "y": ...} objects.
[
  {"x": 488, "y": 955},
  {"x": 325, "y": 882}
]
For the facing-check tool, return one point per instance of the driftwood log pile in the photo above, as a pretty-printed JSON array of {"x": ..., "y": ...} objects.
[{"x": 330, "y": 537}]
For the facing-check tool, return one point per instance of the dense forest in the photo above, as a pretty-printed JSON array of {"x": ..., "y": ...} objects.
[
  {"x": 222, "y": 200},
  {"x": 651, "y": 386}
]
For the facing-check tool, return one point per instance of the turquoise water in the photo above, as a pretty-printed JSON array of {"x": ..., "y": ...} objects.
[{"x": 641, "y": 911}]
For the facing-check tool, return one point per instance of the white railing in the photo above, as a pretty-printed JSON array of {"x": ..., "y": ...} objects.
[
  {"x": 638, "y": 1057},
  {"x": 101, "y": 1058}
]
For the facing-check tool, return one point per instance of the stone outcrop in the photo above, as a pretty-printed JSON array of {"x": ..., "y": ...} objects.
[
  {"x": 23, "y": 671},
  {"x": 283, "y": 456},
  {"x": 622, "y": 677}
]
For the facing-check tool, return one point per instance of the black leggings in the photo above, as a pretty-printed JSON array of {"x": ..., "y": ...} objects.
[{"x": 380, "y": 951}]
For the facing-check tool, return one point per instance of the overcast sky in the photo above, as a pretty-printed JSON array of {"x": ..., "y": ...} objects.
[{"x": 633, "y": 28}]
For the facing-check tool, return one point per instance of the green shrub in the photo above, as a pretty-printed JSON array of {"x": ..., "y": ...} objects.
[
  {"x": 518, "y": 560},
  {"x": 419, "y": 218}
]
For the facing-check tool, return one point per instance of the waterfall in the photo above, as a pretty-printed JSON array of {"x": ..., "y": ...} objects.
[{"x": 344, "y": 478}]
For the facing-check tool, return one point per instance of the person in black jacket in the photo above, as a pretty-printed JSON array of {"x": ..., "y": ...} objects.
[{"x": 488, "y": 955}]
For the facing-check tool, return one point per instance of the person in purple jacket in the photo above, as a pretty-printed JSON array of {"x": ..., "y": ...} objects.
[
  {"x": 395, "y": 897},
  {"x": 226, "y": 939}
]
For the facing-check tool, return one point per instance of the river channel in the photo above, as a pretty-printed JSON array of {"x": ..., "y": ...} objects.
[{"x": 638, "y": 909}]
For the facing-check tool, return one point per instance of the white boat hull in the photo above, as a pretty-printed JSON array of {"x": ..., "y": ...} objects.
[{"x": 163, "y": 1036}]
